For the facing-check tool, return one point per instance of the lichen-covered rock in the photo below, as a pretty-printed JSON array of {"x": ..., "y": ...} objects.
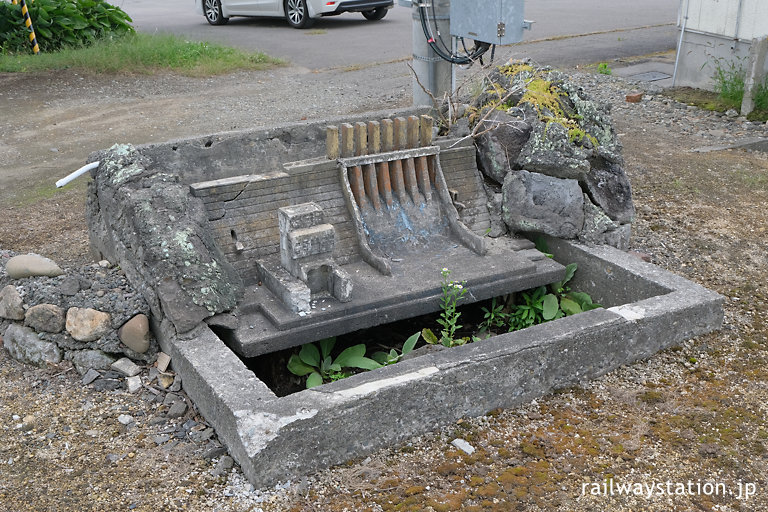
[
  {"x": 11, "y": 303},
  {"x": 27, "y": 265},
  {"x": 23, "y": 345},
  {"x": 608, "y": 186},
  {"x": 542, "y": 204},
  {"x": 570, "y": 137},
  {"x": 502, "y": 138},
  {"x": 45, "y": 318},
  {"x": 148, "y": 222}
]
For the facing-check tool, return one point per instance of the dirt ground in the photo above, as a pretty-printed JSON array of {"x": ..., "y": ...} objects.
[{"x": 695, "y": 414}]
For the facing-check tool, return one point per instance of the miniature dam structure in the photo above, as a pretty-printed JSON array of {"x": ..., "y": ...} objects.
[
  {"x": 248, "y": 243},
  {"x": 362, "y": 232}
]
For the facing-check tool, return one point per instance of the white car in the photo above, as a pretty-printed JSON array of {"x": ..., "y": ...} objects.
[{"x": 298, "y": 13}]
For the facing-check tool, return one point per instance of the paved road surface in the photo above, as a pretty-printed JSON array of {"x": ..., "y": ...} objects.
[{"x": 350, "y": 40}]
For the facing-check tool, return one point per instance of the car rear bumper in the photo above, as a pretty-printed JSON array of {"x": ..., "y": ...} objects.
[{"x": 354, "y": 6}]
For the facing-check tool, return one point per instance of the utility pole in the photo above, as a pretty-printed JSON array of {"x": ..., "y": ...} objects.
[{"x": 432, "y": 73}]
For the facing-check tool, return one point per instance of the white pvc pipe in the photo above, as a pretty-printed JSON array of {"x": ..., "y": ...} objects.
[
  {"x": 84, "y": 169},
  {"x": 680, "y": 43}
]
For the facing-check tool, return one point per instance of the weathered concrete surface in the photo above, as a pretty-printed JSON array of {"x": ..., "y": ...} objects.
[
  {"x": 275, "y": 439},
  {"x": 147, "y": 221}
]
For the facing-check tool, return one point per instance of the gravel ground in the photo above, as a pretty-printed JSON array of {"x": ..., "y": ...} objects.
[{"x": 693, "y": 416}]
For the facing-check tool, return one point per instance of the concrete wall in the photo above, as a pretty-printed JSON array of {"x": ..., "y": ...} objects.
[{"x": 244, "y": 209}]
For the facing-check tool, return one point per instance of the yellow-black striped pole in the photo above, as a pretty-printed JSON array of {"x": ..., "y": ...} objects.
[{"x": 28, "y": 23}]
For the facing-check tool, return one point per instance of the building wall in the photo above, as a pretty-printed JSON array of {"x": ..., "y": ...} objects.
[
  {"x": 717, "y": 33},
  {"x": 726, "y": 17}
]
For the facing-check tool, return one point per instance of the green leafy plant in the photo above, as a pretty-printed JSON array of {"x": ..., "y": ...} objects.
[
  {"x": 61, "y": 23},
  {"x": 493, "y": 318},
  {"x": 539, "y": 306},
  {"x": 603, "y": 68},
  {"x": 532, "y": 309},
  {"x": 452, "y": 293},
  {"x": 315, "y": 362},
  {"x": 393, "y": 356}
]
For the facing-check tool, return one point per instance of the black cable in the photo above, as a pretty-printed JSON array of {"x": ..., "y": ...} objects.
[{"x": 479, "y": 49}]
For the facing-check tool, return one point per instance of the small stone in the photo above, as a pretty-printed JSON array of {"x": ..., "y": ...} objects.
[
  {"x": 160, "y": 439},
  {"x": 45, "y": 318},
  {"x": 126, "y": 367},
  {"x": 125, "y": 419},
  {"x": 11, "y": 304},
  {"x": 28, "y": 423},
  {"x": 85, "y": 360},
  {"x": 171, "y": 398},
  {"x": 165, "y": 380},
  {"x": 223, "y": 466},
  {"x": 634, "y": 97},
  {"x": 106, "y": 384},
  {"x": 135, "y": 333},
  {"x": 214, "y": 450},
  {"x": 90, "y": 376},
  {"x": 463, "y": 446},
  {"x": 69, "y": 286},
  {"x": 86, "y": 324},
  {"x": 28, "y": 265},
  {"x": 105, "y": 264},
  {"x": 163, "y": 360},
  {"x": 202, "y": 435},
  {"x": 134, "y": 383},
  {"x": 176, "y": 386},
  {"x": 177, "y": 410},
  {"x": 731, "y": 113}
]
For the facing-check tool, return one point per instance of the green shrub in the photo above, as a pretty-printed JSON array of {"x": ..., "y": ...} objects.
[{"x": 60, "y": 23}]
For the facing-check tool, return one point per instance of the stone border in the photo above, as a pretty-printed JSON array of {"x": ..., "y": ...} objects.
[{"x": 277, "y": 439}]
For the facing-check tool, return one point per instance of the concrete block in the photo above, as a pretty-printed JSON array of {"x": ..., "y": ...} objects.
[
  {"x": 292, "y": 292},
  {"x": 299, "y": 216},
  {"x": 312, "y": 241}
]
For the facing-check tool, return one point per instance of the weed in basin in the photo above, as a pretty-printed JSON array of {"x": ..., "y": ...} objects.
[
  {"x": 319, "y": 367},
  {"x": 452, "y": 293}
]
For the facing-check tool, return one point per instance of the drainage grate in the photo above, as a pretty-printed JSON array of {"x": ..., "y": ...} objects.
[{"x": 650, "y": 76}]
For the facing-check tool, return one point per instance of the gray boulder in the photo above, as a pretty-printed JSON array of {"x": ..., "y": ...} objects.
[
  {"x": 84, "y": 360},
  {"x": 24, "y": 345},
  {"x": 501, "y": 141},
  {"x": 45, "y": 318},
  {"x": 11, "y": 304},
  {"x": 542, "y": 204},
  {"x": 608, "y": 186}
]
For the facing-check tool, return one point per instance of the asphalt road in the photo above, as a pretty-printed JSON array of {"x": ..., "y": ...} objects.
[{"x": 624, "y": 28}]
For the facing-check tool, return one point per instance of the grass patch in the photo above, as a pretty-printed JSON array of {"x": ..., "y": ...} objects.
[
  {"x": 698, "y": 97},
  {"x": 143, "y": 54}
]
